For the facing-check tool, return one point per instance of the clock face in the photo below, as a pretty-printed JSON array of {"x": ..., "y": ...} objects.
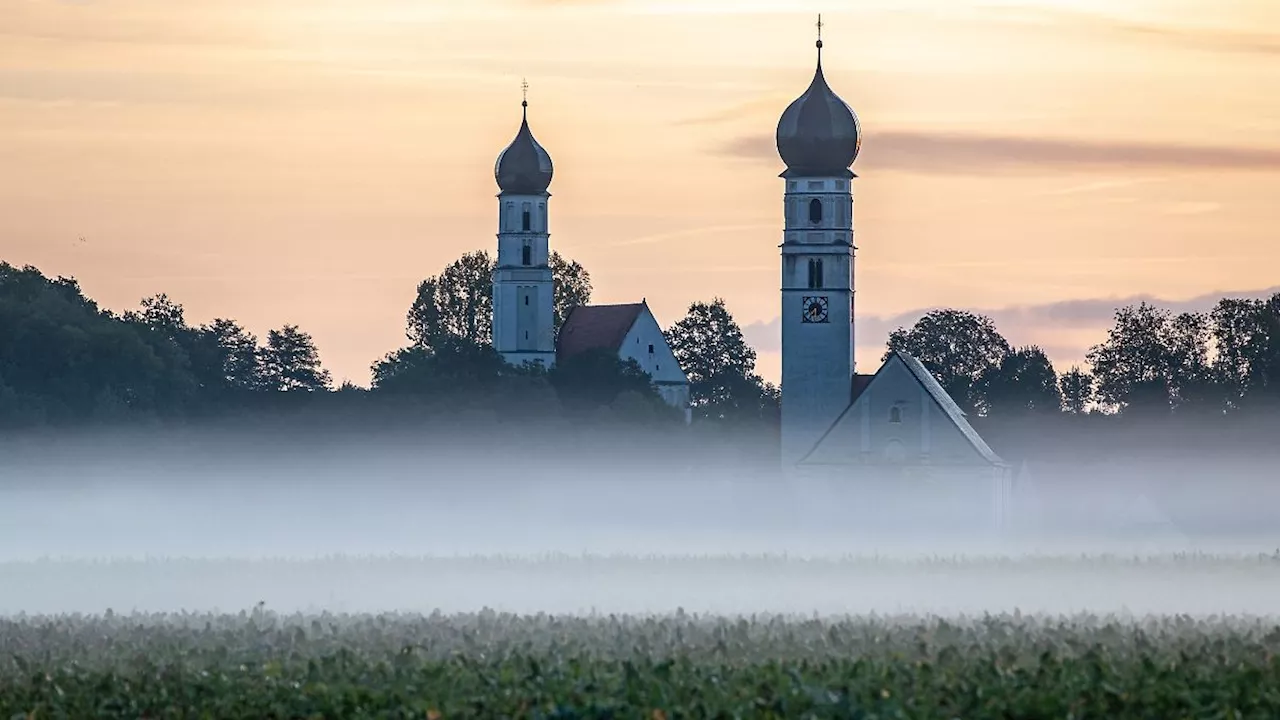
[{"x": 814, "y": 308}]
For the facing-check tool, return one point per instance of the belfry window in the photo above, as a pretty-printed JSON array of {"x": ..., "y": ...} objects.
[
  {"x": 526, "y": 220},
  {"x": 526, "y": 252},
  {"x": 815, "y": 211},
  {"x": 815, "y": 274}
]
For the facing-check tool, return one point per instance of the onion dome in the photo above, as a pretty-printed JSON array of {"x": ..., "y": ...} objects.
[
  {"x": 524, "y": 167},
  {"x": 818, "y": 133}
]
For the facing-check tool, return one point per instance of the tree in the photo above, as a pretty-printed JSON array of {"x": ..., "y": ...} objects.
[
  {"x": 64, "y": 360},
  {"x": 1076, "y": 387},
  {"x": 597, "y": 377},
  {"x": 291, "y": 361},
  {"x": 459, "y": 301},
  {"x": 452, "y": 367},
  {"x": 960, "y": 348},
  {"x": 1246, "y": 338},
  {"x": 720, "y": 365},
  {"x": 1152, "y": 360},
  {"x": 1023, "y": 382},
  {"x": 572, "y": 287},
  {"x": 238, "y": 352}
]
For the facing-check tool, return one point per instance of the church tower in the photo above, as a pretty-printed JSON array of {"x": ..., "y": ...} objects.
[
  {"x": 523, "y": 304},
  {"x": 818, "y": 138}
]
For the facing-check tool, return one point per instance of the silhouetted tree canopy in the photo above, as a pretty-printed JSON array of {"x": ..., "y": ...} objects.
[
  {"x": 459, "y": 301},
  {"x": 960, "y": 348},
  {"x": 1023, "y": 382},
  {"x": 721, "y": 367},
  {"x": 1076, "y": 388}
]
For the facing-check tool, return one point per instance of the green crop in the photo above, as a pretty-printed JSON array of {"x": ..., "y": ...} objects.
[{"x": 262, "y": 664}]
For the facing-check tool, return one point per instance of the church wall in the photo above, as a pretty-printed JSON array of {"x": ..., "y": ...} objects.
[
  {"x": 646, "y": 344},
  {"x": 924, "y": 433}
]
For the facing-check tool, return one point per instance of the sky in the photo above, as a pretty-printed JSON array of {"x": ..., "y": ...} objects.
[{"x": 310, "y": 161}]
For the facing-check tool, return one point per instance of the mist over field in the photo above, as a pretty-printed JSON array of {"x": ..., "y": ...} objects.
[{"x": 228, "y": 519}]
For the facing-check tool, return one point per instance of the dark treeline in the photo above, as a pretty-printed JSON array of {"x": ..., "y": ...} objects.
[
  {"x": 1156, "y": 377},
  {"x": 67, "y": 363}
]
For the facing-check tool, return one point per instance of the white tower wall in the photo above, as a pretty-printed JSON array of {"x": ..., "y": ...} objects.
[
  {"x": 523, "y": 299},
  {"x": 817, "y": 309}
]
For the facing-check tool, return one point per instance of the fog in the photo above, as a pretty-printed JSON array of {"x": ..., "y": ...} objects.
[{"x": 226, "y": 520}]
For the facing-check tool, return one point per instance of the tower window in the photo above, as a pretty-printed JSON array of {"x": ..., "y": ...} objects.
[
  {"x": 815, "y": 211},
  {"x": 815, "y": 274},
  {"x": 650, "y": 349},
  {"x": 895, "y": 414},
  {"x": 526, "y": 221},
  {"x": 526, "y": 252},
  {"x": 526, "y": 299}
]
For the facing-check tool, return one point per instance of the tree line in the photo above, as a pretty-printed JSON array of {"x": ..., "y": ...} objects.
[
  {"x": 64, "y": 360},
  {"x": 1152, "y": 363}
]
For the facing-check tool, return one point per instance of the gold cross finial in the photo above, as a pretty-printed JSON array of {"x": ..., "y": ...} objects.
[{"x": 524, "y": 89}]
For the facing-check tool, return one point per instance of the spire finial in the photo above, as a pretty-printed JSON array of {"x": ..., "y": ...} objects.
[
  {"x": 524, "y": 91},
  {"x": 819, "y": 43}
]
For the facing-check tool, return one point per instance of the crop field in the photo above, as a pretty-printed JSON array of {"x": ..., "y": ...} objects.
[
  {"x": 1173, "y": 636},
  {"x": 489, "y": 665}
]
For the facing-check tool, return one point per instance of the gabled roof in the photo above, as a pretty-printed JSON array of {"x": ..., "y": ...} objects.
[
  {"x": 948, "y": 406},
  {"x": 596, "y": 326},
  {"x": 860, "y": 383}
]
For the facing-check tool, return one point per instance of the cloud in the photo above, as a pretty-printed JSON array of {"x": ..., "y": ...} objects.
[
  {"x": 949, "y": 153},
  {"x": 1018, "y": 323}
]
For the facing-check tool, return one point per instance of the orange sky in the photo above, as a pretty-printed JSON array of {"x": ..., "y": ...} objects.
[{"x": 309, "y": 161}]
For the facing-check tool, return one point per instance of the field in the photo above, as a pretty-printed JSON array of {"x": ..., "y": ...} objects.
[
  {"x": 1175, "y": 636},
  {"x": 489, "y": 665}
]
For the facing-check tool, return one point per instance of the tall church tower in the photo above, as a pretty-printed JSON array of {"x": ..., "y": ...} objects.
[
  {"x": 523, "y": 304},
  {"x": 818, "y": 138}
]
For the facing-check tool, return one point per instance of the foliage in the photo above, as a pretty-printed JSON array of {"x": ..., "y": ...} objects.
[
  {"x": 960, "y": 348},
  {"x": 1152, "y": 360},
  {"x": 458, "y": 302},
  {"x": 597, "y": 377},
  {"x": 1076, "y": 388},
  {"x": 1023, "y": 382},
  {"x": 290, "y": 361},
  {"x": 723, "y": 384},
  {"x": 489, "y": 664},
  {"x": 1246, "y": 338}
]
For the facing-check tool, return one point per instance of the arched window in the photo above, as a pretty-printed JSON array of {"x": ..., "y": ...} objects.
[
  {"x": 895, "y": 414},
  {"x": 526, "y": 220},
  {"x": 815, "y": 274},
  {"x": 815, "y": 211},
  {"x": 526, "y": 252}
]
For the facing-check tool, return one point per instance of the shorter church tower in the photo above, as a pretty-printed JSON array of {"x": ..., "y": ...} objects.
[
  {"x": 818, "y": 138},
  {"x": 523, "y": 301}
]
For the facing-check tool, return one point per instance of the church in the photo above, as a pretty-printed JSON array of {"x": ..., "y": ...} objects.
[
  {"x": 893, "y": 429},
  {"x": 896, "y": 429},
  {"x": 523, "y": 287}
]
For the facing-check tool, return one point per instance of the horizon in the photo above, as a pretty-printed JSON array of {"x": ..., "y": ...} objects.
[{"x": 237, "y": 157}]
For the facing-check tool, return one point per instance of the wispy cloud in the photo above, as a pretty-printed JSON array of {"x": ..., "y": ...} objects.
[
  {"x": 951, "y": 153},
  {"x": 1021, "y": 324}
]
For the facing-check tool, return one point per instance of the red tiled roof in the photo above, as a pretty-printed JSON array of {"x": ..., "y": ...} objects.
[{"x": 596, "y": 326}]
